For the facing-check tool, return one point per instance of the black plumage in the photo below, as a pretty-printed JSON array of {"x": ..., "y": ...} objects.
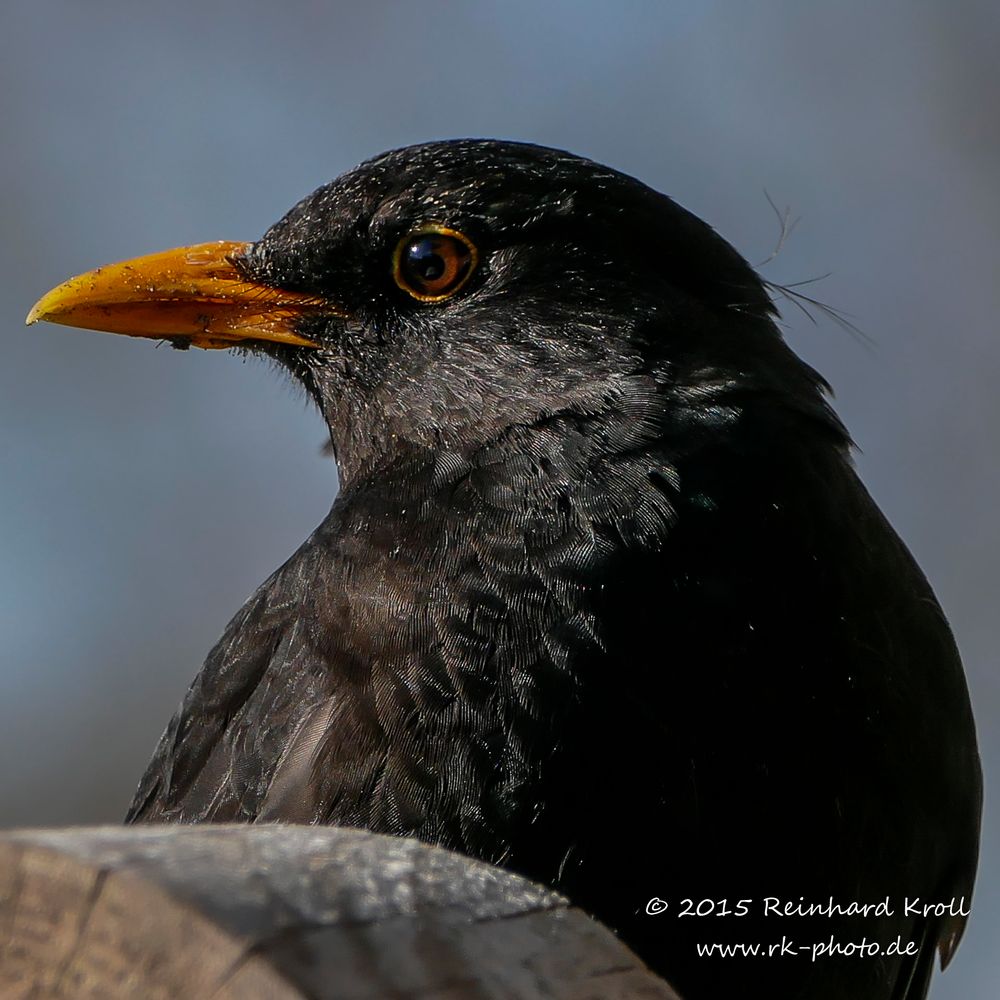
[{"x": 601, "y": 597}]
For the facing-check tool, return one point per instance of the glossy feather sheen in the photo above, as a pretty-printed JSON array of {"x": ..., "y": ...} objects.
[{"x": 601, "y": 598}]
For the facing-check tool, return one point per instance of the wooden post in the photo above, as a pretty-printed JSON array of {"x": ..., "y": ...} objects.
[{"x": 287, "y": 913}]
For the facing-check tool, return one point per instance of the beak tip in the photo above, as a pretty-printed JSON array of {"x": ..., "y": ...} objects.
[{"x": 46, "y": 308}]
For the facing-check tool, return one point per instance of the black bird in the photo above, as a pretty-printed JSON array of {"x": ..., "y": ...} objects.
[{"x": 601, "y": 598}]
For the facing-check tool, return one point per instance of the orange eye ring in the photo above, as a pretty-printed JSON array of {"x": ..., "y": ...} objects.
[{"x": 433, "y": 262}]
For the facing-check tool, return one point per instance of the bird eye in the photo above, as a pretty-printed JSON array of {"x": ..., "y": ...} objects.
[{"x": 432, "y": 264}]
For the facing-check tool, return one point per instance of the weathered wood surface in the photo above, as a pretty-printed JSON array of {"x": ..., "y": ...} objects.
[{"x": 286, "y": 913}]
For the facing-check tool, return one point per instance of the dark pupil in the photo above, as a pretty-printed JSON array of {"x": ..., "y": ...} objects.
[{"x": 425, "y": 261}]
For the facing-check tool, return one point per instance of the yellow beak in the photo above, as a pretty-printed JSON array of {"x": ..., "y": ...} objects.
[{"x": 195, "y": 295}]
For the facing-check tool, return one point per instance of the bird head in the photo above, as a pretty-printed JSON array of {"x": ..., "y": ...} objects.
[{"x": 439, "y": 294}]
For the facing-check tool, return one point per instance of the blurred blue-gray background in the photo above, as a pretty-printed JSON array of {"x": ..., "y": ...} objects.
[{"x": 145, "y": 492}]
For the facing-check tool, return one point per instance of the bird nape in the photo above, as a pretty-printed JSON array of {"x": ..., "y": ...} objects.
[{"x": 600, "y": 599}]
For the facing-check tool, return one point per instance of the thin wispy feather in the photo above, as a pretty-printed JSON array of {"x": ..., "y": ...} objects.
[{"x": 804, "y": 303}]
